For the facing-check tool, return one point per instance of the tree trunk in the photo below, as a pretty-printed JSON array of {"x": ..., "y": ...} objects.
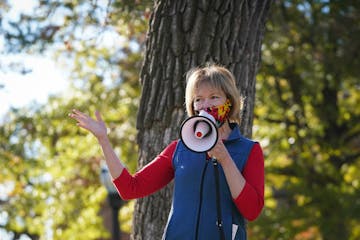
[{"x": 184, "y": 34}]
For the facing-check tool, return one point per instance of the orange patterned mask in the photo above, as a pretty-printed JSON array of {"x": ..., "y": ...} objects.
[{"x": 220, "y": 113}]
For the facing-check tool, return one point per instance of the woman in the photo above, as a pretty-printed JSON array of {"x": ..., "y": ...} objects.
[{"x": 198, "y": 210}]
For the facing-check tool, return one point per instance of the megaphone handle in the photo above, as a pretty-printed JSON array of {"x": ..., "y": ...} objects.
[{"x": 218, "y": 207}]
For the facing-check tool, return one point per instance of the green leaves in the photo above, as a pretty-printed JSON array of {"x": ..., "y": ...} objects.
[
  {"x": 304, "y": 119},
  {"x": 51, "y": 167}
]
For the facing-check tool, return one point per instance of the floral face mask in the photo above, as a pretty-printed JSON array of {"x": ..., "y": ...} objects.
[{"x": 220, "y": 113}]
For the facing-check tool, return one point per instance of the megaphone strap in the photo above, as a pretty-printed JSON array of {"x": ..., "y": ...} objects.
[{"x": 219, "y": 222}]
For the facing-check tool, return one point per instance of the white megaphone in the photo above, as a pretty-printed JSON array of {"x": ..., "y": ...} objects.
[{"x": 199, "y": 133}]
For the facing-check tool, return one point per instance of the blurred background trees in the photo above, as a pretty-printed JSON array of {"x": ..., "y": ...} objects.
[
  {"x": 308, "y": 113},
  {"x": 52, "y": 169},
  {"x": 306, "y": 117}
]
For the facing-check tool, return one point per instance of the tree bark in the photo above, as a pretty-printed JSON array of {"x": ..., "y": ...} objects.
[{"x": 184, "y": 34}]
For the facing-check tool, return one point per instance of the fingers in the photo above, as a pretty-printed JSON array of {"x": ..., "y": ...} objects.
[
  {"x": 218, "y": 150},
  {"x": 80, "y": 117},
  {"x": 77, "y": 114},
  {"x": 98, "y": 116},
  {"x": 83, "y": 120}
]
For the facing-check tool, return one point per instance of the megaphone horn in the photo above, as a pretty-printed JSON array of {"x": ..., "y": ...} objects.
[
  {"x": 201, "y": 129},
  {"x": 199, "y": 133}
]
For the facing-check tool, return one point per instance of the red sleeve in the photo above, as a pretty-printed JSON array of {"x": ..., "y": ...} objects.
[
  {"x": 251, "y": 199},
  {"x": 150, "y": 178}
]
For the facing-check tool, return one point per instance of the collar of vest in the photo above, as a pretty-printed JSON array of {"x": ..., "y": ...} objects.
[{"x": 235, "y": 133}]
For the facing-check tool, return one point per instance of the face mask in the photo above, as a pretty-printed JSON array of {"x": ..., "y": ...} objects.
[{"x": 220, "y": 113}]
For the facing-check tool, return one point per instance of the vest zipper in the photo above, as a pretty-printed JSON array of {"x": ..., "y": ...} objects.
[{"x": 200, "y": 203}]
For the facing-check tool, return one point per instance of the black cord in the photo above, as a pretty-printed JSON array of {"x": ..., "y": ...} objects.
[{"x": 219, "y": 222}]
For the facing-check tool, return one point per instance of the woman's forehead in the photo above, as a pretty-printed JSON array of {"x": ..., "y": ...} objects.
[{"x": 207, "y": 87}]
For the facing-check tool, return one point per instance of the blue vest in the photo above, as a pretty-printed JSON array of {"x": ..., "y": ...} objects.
[{"x": 193, "y": 213}]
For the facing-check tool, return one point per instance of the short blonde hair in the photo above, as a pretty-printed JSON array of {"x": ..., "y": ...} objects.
[{"x": 218, "y": 77}]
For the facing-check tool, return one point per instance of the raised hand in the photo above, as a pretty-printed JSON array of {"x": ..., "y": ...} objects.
[{"x": 96, "y": 127}]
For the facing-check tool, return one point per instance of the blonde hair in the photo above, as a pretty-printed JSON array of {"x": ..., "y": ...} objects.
[{"x": 218, "y": 77}]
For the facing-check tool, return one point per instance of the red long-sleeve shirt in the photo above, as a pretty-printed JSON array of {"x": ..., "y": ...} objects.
[{"x": 159, "y": 172}]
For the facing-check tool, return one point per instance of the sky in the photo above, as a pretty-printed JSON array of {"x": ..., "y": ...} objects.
[
  {"x": 20, "y": 90},
  {"x": 45, "y": 77}
]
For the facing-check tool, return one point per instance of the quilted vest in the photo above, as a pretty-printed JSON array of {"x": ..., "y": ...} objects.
[{"x": 193, "y": 213}]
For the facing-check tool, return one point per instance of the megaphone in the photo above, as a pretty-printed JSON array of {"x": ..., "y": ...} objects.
[{"x": 199, "y": 133}]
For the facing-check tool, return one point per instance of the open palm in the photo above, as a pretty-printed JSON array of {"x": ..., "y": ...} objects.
[{"x": 95, "y": 126}]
